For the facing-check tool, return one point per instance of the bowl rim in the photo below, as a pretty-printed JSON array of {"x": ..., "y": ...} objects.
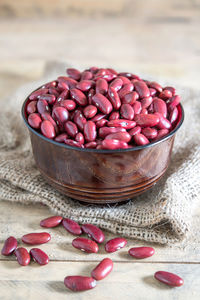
[{"x": 100, "y": 150}]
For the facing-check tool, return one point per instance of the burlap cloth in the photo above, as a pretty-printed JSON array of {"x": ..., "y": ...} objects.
[{"x": 162, "y": 215}]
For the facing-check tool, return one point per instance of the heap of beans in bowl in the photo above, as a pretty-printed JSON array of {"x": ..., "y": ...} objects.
[{"x": 103, "y": 109}]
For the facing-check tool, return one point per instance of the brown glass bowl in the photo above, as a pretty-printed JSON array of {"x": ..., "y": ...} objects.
[{"x": 101, "y": 176}]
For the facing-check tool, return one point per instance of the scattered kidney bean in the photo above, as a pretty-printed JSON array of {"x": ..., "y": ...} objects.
[
  {"x": 169, "y": 278},
  {"x": 79, "y": 283},
  {"x": 85, "y": 245},
  {"x": 36, "y": 238},
  {"x": 141, "y": 252},
  {"x": 9, "y": 246},
  {"x": 22, "y": 255},
  {"x": 103, "y": 269},
  {"x": 71, "y": 226},
  {"x": 93, "y": 232},
  {"x": 39, "y": 256},
  {"x": 51, "y": 222},
  {"x": 115, "y": 244}
]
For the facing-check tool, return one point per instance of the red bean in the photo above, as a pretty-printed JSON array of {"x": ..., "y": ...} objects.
[
  {"x": 102, "y": 103},
  {"x": 63, "y": 95},
  {"x": 98, "y": 117},
  {"x": 140, "y": 139},
  {"x": 63, "y": 86},
  {"x": 68, "y": 104},
  {"x": 86, "y": 75},
  {"x": 169, "y": 278},
  {"x": 22, "y": 255},
  {"x": 42, "y": 106},
  {"x": 79, "y": 283},
  {"x": 78, "y": 96},
  {"x": 127, "y": 124},
  {"x": 73, "y": 143},
  {"x": 103, "y": 269},
  {"x": 84, "y": 85},
  {"x": 61, "y": 137},
  {"x": 141, "y": 252},
  {"x": 69, "y": 81},
  {"x": 152, "y": 92},
  {"x": 104, "y": 131},
  {"x": 90, "y": 111},
  {"x": 142, "y": 89},
  {"x": 114, "y": 115},
  {"x": 85, "y": 245},
  {"x": 53, "y": 91},
  {"x": 31, "y": 107},
  {"x": 160, "y": 106},
  {"x": 162, "y": 133},
  {"x": 144, "y": 111},
  {"x": 148, "y": 120},
  {"x": 173, "y": 115},
  {"x": 91, "y": 93},
  {"x": 48, "y": 129},
  {"x": 163, "y": 122},
  {"x": 135, "y": 130},
  {"x": 174, "y": 101},
  {"x": 90, "y": 132},
  {"x": 124, "y": 79},
  {"x": 35, "y": 94},
  {"x": 115, "y": 244},
  {"x": 101, "y": 86},
  {"x": 127, "y": 88},
  {"x": 9, "y": 246},
  {"x": 60, "y": 115},
  {"x": 121, "y": 136},
  {"x": 130, "y": 98},
  {"x": 34, "y": 120},
  {"x": 51, "y": 222},
  {"x": 112, "y": 144},
  {"x": 127, "y": 112},
  {"x": 171, "y": 89},
  {"x": 114, "y": 98},
  {"x": 165, "y": 94},
  {"x": 79, "y": 138},
  {"x": 46, "y": 116},
  {"x": 94, "y": 232},
  {"x": 155, "y": 86},
  {"x": 137, "y": 107},
  {"x": 116, "y": 84},
  {"x": 74, "y": 73},
  {"x": 36, "y": 238},
  {"x": 50, "y": 84},
  {"x": 49, "y": 98},
  {"x": 79, "y": 120},
  {"x": 71, "y": 128},
  {"x": 91, "y": 145},
  {"x": 71, "y": 226},
  {"x": 149, "y": 132},
  {"x": 145, "y": 102},
  {"x": 39, "y": 256},
  {"x": 101, "y": 123}
]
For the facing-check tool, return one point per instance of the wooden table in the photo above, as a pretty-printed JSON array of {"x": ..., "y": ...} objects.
[{"x": 168, "y": 48}]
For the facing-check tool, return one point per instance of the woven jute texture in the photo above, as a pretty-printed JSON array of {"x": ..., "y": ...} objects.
[{"x": 163, "y": 214}]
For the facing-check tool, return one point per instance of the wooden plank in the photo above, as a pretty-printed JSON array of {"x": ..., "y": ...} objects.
[
  {"x": 17, "y": 220},
  {"x": 127, "y": 281}
]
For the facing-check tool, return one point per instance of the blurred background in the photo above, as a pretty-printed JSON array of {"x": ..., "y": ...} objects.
[{"x": 156, "y": 37}]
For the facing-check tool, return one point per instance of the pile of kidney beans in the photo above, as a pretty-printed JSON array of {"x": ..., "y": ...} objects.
[
  {"x": 103, "y": 109},
  {"x": 77, "y": 282}
]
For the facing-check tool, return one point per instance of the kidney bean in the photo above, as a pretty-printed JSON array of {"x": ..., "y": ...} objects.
[
  {"x": 78, "y": 96},
  {"x": 63, "y": 95},
  {"x": 90, "y": 111},
  {"x": 90, "y": 132},
  {"x": 169, "y": 278},
  {"x": 150, "y": 133},
  {"x": 114, "y": 98},
  {"x": 103, "y": 269},
  {"x": 140, "y": 139},
  {"x": 22, "y": 255},
  {"x": 112, "y": 71},
  {"x": 49, "y": 85},
  {"x": 68, "y": 104},
  {"x": 145, "y": 102},
  {"x": 98, "y": 117},
  {"x": 63, "y": 86},
  {"x": 34, "y": 120},
  {"x": 171, "y": 89},
  {"x": 116, "y": 84},
  {"x": 47, "y": 117},
  {"x": 127, "y": 88},
  {"x": 101, "y": 86},
  {"x": 163, "y": 122},
  {"x": 79, "y": 138},
  {"x": 94, "y": 232},
  {"x": 141, "y": 252},
  {"x": 114, "y": 115},
  {"x": 39, "y": 256},
  {"x": 102, "y": 103},
  {"x": 35, "y": 94},
  {"x": 50, "y": 99},
  {"x": 71, "y": 128},
  {"x": 74, "y": 73},
  {"x": 173, "y": 115},
  {"x": 86, "y": 75},
  {"x": 73, "y": 143},
  {"x": 174, "y": 101},
  {"x": 160, "y": 106},
  {"x": 94, "y": 69},
  {"x": 71, "y": 226},
  {"x": 112, "y": 144},
  {"x": 126, "y": 124},
  {"x": 91, "y": 93},
  {"x": 53, "y": 91},
  {"x": 115, "y": 244},
  {"x": 130, "y": 98},
  {"x": 51, "y": 222},
  {"x": 124, "y": 79},
  {"x": 152, "y": 92},
  {"x": 42, "y": 106},
  {"x": 31, "y": 107},
  {"x": 155, "y": 86},
  {"x": 9, "y": 246},
  {"x": 161, "y": 133},
  {"x": 127, "y": 112},
  {"x": 135, "y": 130},
  {"x": 91, "y": 145},
  {"x": 121, "y": 136},
  {"x": 60, "y": 115},
  {"x": 79, "y": 120},
  {"x": 36, "y": 238},
  {"x": 61, "y": 137},
  {"x": 48, "y": 129},
  {"x": 71, "y": 83},
  {"x": 126, "y": 74},
  {"x": 144, "y": 111},
  {"x": 165, "y": 94},
  {"x": 148, "y": 120},
  {"x": 142, "y": 89},
  {"x": 85, "y": 245},
  {"x": 137, "y": 107},
  {"x": 79, "y": 283},
  {"x": 84, "y": 85},
  {"x": 104, "y": 131}
]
